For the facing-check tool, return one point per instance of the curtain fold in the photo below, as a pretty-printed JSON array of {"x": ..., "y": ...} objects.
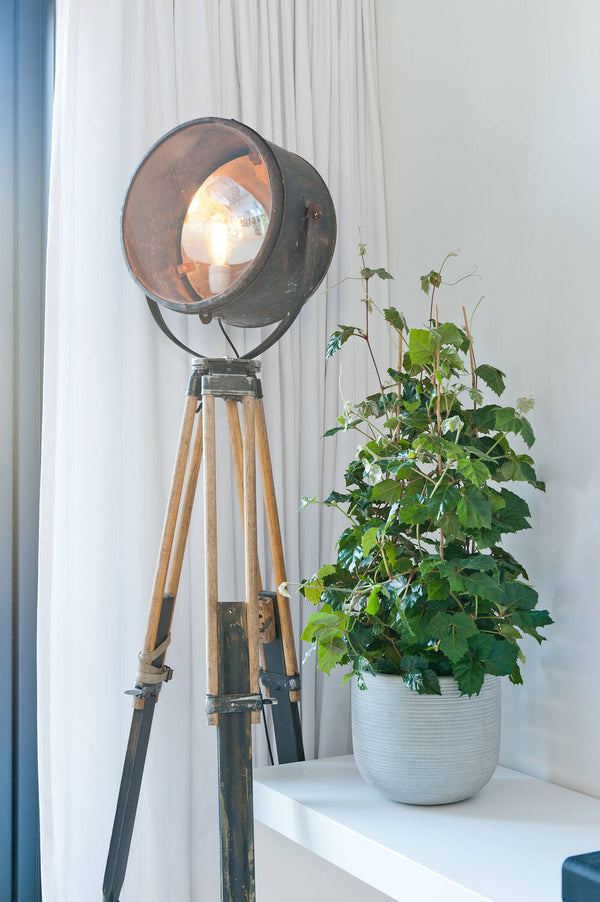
[{"x": 303, "y": 74}]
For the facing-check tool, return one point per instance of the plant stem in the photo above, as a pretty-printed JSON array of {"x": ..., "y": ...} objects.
[
  {"x": 400, "y": 343},
  {"x": 438, "y": 411},
  {"x": 376, "y": 367},
  {"x": 384, "y": 558},
  {"x": 444, "y": 261},
  {"x": 438, "y": 389},
  {"x": 471, "y": 354}
]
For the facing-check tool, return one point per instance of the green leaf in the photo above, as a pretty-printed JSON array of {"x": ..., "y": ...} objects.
[
  {"x": 418, "y": 675},
  {"x": 411, "y": 511},
  {"x": 469, "y": 675},
  {"x": 483, "y": 562},
  {"x": 474, "y": 509},
  {"x": 335, "y": 652},
  {"x": 449, "y": 334},
  {"x": 323, "y": 625},
  {"x": 450, "y": 358},
  {"x": 531, "y": 621},
  {"x": 443, "y": 500},
  {"x": 410, "y": 393},
  {"x": 513, "y": 516},
  {"x": 475, "y": 395},
  {"x": 421, "y": 346},
  {"x": 325, "y": 628},
  {"x": 515, "y": 677},
  {"x": 339, "y": 338},
  {"x": 477, "y": 584},
  {"x": 492, "y": 377},
  {"x": 452, "y": 424},
  {"x": 509, "y": 632},
  {"x": 432, "y": 278},
  {"x": 369, "y": 539},
  {"x": 453, "y": 630},
  {"x": 437, "y": 589},
  {"x": 326, "y": 570},
  {"x": 507, "y": 420},
  {"x": 395, "y": 319},
  {"x": 484, "y": 418},
  {"x": 451, "y": 526},
  {"x": 387, "y": 490},
  {"x": 474, "y": 470},
  {"x": 372, "y": 605},
  {"x": 312, "y": 592},
  {"x": 381, "y": 273},
  {"x": 496, "y": 500},
  {"x": 498, "y": 656},
  {"x": 350, "y": 548},
  {"x": 527, "y": 432},
  {"x": 336, "y": 498},
  {"x": 518, "y": 595},
  {"x": 454, "y": 646},
  {"x": 514, "y": 505},
  {"x": 515, "y": 469},
  {"x": 508, "y": 564}
]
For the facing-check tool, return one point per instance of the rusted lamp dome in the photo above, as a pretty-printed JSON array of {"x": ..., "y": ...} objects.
[{"x": 220, "y": 222}]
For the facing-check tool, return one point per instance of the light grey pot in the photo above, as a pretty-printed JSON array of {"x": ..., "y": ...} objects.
[{"x": 425, "y": 749}]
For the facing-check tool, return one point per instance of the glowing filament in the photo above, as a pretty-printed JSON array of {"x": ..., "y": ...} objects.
[{"x": 217, "y": 239}]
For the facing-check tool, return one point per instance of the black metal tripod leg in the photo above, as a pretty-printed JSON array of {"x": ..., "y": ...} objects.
[
  {"x": 131, "y": 779},
  {"x": 166, "y": 579},
  {"x": 235, "y": 759},
  {"x": 285, "y": 713}
]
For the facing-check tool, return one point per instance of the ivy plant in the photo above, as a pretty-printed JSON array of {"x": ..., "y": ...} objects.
[{"x": 421, "y": 585}]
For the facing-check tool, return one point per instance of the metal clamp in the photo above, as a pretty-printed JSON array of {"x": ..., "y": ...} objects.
[
  {"x": 229, "y": 385},
  {"x": 280, "y": 680},
  {"x": 234, "y": 704}
]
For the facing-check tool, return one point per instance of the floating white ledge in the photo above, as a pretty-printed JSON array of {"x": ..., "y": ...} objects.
[{"x": 505, "y": 845}]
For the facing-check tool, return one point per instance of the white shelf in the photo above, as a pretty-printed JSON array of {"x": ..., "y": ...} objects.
[{"x": 505, "y": 845}]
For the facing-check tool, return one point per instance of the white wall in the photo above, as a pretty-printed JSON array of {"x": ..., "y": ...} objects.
[{"x": 490, "y": 114}]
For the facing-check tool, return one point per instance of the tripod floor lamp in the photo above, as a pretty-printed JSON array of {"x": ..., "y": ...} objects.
[{"x": 221, "y": 223}]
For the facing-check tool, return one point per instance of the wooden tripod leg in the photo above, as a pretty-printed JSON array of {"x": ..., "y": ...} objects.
[
  {"x": 159, "y": 621},
  {"x": 250, "y": 542},
  {"x": 166, "y": 544},
  {"x": 266, "y": 475},
  {"x": 235, "y": 434},
  {"x": 185, "y": 513},
  {"x": 210, "y": 547}
]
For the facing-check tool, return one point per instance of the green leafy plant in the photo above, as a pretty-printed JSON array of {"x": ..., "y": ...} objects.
[{"x": 422, "y": 586}]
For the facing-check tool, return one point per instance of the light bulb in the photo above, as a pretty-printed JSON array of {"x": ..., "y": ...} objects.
[
  {"x": 218, "y": 243},
  {"x": 217, "y": 240},
  {"x": 224, "y": 226}
]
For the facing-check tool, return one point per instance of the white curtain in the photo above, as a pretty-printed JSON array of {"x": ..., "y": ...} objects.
[{"x": 303, "y": 74}]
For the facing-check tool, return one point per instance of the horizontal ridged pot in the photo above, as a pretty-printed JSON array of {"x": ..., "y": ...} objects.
[{"x": 425, "y": 749}]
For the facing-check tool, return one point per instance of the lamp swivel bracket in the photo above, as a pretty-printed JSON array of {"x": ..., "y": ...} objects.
[{"x": 231, "y": 378}]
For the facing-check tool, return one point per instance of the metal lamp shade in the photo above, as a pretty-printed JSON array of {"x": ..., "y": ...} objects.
[{"x": 213, "y": 178}]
